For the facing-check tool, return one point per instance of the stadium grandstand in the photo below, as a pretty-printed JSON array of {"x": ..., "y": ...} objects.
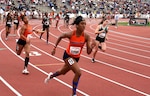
[{"x": 98, "y": 8}]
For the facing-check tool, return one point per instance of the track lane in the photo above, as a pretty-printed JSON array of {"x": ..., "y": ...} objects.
[{"x": 85, "y": 73}]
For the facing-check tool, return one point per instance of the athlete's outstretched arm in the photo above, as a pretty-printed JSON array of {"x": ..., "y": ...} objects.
[
  {"x": 63, "y": 35},
  {"x": 90, "y": 44}
]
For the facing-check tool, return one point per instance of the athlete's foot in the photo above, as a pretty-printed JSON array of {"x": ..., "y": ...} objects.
[
  {"x": 48, "y": 78},
  {"x": 47, "y": 42},
  {"x": 25, "y": 71},
  {"x": 93, "y": 60}
]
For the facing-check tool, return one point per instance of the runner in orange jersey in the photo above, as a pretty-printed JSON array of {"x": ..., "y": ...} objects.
[
  {"x": 71, "y": 56},
  {"x": 24, "y": 42}
]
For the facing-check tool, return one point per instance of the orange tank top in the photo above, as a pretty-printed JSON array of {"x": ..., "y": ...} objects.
[
  {"x": 28, "y": 30},
  {"x": 75, "y": 45}
]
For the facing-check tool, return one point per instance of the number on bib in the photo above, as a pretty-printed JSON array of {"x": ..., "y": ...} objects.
[{"x": 71, "y": 61}]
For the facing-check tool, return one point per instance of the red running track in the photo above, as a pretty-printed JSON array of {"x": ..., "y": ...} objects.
[{"x": 123, "y": 70}]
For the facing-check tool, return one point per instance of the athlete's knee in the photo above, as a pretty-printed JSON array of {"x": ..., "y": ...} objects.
[
  {"x": 27, "y": 53},
  {"x": 18, "y": 52},
  {"x": 103, "y": 49},
  {"x": 78, "y": 73}
]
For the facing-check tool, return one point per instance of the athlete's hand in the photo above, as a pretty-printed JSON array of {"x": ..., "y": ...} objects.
[
  {"x": 28, "y": 38},
  {"x": 93, "y": 43}
]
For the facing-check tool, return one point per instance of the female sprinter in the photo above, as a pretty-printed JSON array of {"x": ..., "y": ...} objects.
[
  {"x": 101, "y": 32},
  {"x": 46, "y": 24},
  {"x": 71, "y": 56},
  {"x": 8, "y": 24},
  {"x": 16, "y": 22},
  {"x": 24, "y": 42}
]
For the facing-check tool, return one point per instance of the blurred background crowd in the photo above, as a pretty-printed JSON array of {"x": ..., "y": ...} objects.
[{"x": 88, "y": 8}]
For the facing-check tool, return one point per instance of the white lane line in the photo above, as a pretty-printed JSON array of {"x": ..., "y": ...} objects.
[
  {"x": 124, "y": 34},
  {"x": 146, "y": 57},
  {"x": 147, "y": 51},
  {"x": 70, "y": 86},
  {"x": 143, "y": 64},
  {"x": 129, "y": 35},
  {"x": 111, "y": 65},
  {"x": 126, "y": 46},
  {"x": 92, "y": 73},
  {"x": 118, "y": 38},
  {"x": 10, "y": 87}
]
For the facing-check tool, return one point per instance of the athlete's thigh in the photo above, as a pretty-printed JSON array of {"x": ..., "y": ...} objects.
[
  {"x": 96, "y": 45},
  {"x": 9, "y": 28},
  {"x": 6, "y": 28},
  {"x": 103, "y": 46},
  {"x": 47, "y": 29},
  {"x": 73, "y": 65},
  {"x": 15, "y": 26},
  {"x": 27, "y": 48},
  {"x": 19, "y": 49}
]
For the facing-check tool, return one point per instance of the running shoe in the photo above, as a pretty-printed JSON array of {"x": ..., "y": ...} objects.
[
  {"x": 93, "y": 60},
  {"x": 25, "y": 71},
  {"x": 48, "y": 77}
]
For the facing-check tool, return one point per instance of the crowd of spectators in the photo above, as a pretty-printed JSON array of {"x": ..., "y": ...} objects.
[{"x": 128, "y": 8}]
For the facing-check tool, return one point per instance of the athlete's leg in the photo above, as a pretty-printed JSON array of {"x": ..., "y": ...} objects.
[
  {"x": 57, "y": 23},
  {"x": 75, "y": 68},
  {"x": 103, "y": 46},
  {"x": 19, "y": 49},
  {"x": 15, "y": 28},
  {"x": 62, "y": 71},
  {"x": 47, "y": 30},
  {"x": 27, "y": 51},
  {"x": 95, "y": 51},
  {"x": 7, "y": 31},
  {"x": 42, "y": 32}
]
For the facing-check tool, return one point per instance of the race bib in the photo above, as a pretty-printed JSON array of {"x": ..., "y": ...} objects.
[
  {"x": 75, "y": 50},
  {"x": 102, "y": 35},
  {"x": 71, "y": 61},
  {"x": 15, "y": 21},
  {"x": 46, "y": 23},
  {"x": 8, "y": 22}
]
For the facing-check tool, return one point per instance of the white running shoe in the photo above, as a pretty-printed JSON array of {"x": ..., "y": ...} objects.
[
  {"x": 25, "y": 71},
  {"x": 48, "y": 77},
  {"x": 93, "y": 60}
]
